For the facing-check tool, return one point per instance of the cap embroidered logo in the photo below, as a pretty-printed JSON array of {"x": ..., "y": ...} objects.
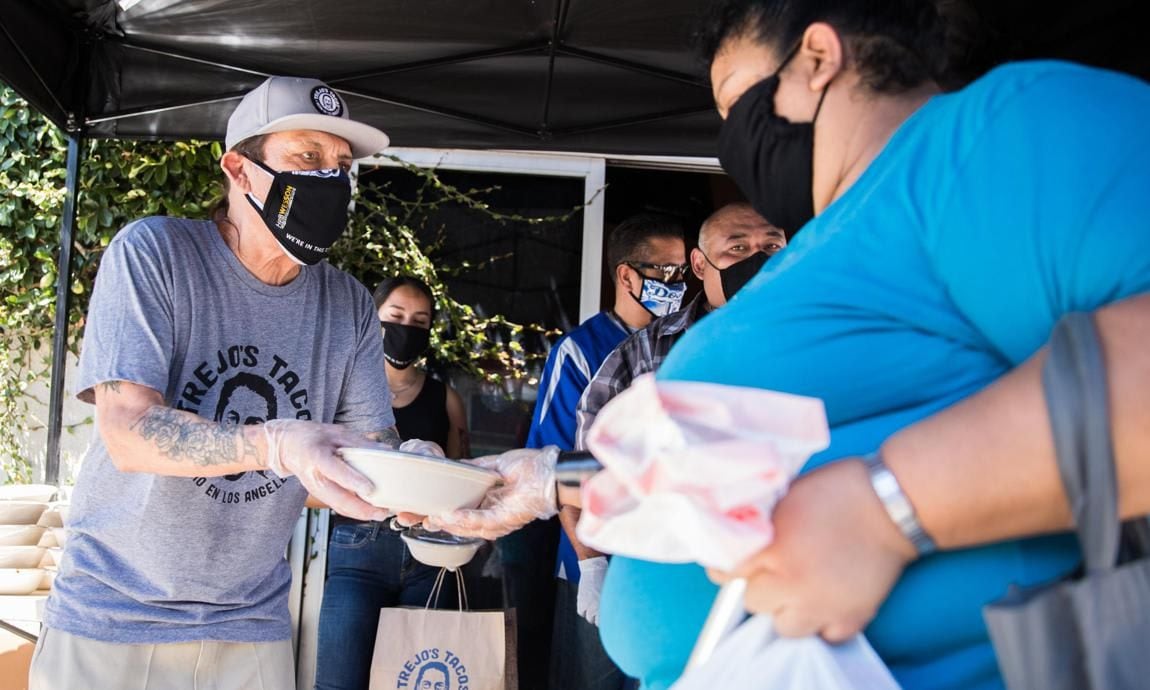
[{"x": 327, "y": 101}]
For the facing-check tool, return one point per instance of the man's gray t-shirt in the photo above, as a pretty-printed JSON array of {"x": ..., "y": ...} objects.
[{"x": 155, "y": 559}]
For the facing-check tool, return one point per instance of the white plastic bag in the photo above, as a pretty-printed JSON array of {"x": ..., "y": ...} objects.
[
  {"x": 753, "y": 656},
  {"x": 657, "y": 503}
]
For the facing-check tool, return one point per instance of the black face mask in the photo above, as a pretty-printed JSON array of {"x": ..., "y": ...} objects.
[
  {"x": 770, "y": 158},
  {"x": 738, "y": 274},
  {"x": 306, "y": 210},
  {"x": 403, "y": 344}
]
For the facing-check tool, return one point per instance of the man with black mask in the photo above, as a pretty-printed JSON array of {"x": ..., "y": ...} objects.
[
  {"x": 943, "y": 237},
  {"x": 734, "y": 243},
  {"x": 647, "y": 260},
  {"x": 170, "y": 573}
]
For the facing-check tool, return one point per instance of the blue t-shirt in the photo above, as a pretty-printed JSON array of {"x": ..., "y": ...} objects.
[
  {"x": 155, "y": 559},
  {"x": 567, "y": 373},
  {"x": 989, "y": 214}
]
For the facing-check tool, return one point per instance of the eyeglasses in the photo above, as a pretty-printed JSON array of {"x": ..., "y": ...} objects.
[{"x": 672, "y": 273}]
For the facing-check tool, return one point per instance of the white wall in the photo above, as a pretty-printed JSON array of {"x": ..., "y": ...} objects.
[{"x": 77, "y": 418}]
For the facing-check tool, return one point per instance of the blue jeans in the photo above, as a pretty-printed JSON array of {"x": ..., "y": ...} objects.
[{"x": 368, "y": 568}]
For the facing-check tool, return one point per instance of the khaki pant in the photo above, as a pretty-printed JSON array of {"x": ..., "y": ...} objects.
[{"x": 67, "y": 662}]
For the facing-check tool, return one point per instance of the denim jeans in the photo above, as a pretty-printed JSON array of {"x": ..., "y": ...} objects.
[
  {"x": 527, "y": 558},
  {"x": 368, "y": 568},
  {"x": 578, "y": 660}
]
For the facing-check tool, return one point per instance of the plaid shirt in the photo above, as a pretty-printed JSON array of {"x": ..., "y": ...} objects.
[{"x": 642, "y": 352}]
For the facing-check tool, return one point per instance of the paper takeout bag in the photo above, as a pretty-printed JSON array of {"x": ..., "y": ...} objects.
[{"x": 463, "y": 650}]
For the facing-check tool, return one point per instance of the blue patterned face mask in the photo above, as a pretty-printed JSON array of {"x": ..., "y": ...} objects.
[{"x": 660, "y": 298}]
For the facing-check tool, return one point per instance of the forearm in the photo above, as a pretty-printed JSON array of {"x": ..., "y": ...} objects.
[
  {"x": 569, "y": 518},
  {"x": 390, "y": 436},
  {"x": 458, "y": 444},
  {"x": 458, "y": 441},
  {"x": 166, "y": 441},
  {"x": 985, "y": 469}
]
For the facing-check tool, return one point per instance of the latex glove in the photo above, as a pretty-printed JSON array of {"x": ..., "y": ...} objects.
[
  {"x": 420, "y": 447},
  {"x": 307, "y": 451},
  {"x": 527, "y": 493},
  {"x": 592, "y": 572}
]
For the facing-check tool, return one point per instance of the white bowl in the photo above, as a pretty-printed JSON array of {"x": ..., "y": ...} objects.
[
  {"x": 20, "y": 535},
  {"x": 406, "y": 482},
  {"x": 55, "y": 516},
  {"x": 27, "y": 492},
  {"x": 21, "y": 580},
  {"x": 21, "y": 512},
  {"x": 48, "y": 579},
  {"x": 60, "y": 534},
  {"x": 439, "y": 549},
  {"x": 52, "y": 557},
  {"x": 21, "y": 556}
]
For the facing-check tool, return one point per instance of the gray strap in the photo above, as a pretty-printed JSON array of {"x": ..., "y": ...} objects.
[{"x": 1074, "y": 381}]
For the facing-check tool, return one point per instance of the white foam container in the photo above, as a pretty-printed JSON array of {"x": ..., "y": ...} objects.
[
  {"x": 20, "y": 535},
  {"x": 21, "y": 512},
  {"x": 406, "y": 482},
  {"x": 20, "y": 580}
]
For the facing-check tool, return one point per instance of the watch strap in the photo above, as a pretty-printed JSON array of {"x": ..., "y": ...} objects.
[{"x": 897, "y": 505}]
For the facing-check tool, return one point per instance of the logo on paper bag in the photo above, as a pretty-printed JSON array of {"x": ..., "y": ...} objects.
[{"x": 433, "y": 669}]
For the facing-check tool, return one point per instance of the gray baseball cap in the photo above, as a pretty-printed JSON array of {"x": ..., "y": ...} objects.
[{"x": 285, "y": 103}]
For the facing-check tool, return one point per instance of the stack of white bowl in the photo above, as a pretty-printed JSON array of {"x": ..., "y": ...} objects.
[{"x": 28, "y": 518}]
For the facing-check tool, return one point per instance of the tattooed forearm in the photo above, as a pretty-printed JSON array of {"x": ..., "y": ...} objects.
[
  {"x": 111, "y": 386},
  {"x": 390, "y": 436},
  {"x": 180, "y": 436}
]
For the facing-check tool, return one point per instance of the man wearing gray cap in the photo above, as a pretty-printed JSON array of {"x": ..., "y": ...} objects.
[{"x": 174, "y": 570}]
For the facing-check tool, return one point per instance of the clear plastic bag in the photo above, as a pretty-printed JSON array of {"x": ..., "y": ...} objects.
[{"x": 753, "y": 656}]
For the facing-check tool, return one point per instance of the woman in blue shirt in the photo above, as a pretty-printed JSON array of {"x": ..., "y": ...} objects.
[
  {"x": 949, "y": 235},
  {"x": 952, "y": 232}
]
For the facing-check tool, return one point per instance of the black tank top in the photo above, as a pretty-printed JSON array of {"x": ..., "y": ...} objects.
[{"x": 425, "y": 417}]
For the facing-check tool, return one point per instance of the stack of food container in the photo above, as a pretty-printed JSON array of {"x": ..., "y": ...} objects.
[{"x": 30, "y": 520}]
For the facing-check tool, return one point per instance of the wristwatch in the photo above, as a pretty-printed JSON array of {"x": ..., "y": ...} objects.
[{"x": 897, "y": 505}]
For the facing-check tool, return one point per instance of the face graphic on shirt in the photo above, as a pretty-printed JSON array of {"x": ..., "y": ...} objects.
[{"x": 246, "y": 399}]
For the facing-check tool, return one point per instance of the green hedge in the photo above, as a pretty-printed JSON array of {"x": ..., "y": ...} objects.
[{"x": 125, "y": 180}]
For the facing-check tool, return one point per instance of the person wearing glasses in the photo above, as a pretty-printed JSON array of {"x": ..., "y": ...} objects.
[
  {"x": 734, "y": 243},
  {"x": 648, "y": 261}
]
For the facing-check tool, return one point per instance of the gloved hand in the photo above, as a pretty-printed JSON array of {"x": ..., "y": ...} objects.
[
  {"x": 307, "y": 451},
  {"x": 592, "y": 572},
  {"x": 419, "y": 447},
  {"x": 527, "y": 493}
]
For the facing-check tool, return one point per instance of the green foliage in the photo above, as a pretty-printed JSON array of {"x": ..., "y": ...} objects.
[
  {"x": 124, "y": 180},
  {"x": 384, "y": 241},
  {"x": 119, "y": 181}
]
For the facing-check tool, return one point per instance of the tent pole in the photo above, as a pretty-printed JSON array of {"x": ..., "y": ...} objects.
[
  {"x": 552, "y": 48},
  {"x": 63, "y": 297}
]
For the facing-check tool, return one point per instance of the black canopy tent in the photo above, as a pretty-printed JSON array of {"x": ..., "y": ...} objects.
[{"x": 593, "y": 76}]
